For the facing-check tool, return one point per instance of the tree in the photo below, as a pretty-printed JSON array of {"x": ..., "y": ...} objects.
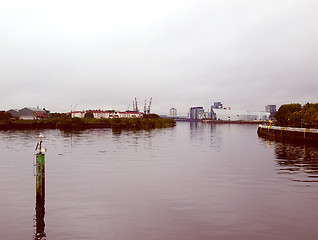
[
  {"x": 295, "y": 119},
  {"x": 5, "y": 115},
  {"x": 89, "y": 115},
  {"x": 310, "y": 114},
  {"x": 296, "y": 116},
  {"x": 284, "y": 113}
]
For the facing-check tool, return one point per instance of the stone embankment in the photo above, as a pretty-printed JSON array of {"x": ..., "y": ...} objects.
[
  {"x": 234, "y": 122},
  {"x": 307, "y": 135}
]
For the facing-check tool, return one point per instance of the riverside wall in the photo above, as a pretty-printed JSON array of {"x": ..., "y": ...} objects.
[
  {"x": 307, "y": 135},
  {"x": 234, "y": 122}
]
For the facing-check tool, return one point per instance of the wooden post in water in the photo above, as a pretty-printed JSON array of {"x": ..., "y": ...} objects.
[{"x": 39, "y": 233}]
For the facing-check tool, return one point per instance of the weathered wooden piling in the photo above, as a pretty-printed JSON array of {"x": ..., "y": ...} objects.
[
  {"x": 40, "y": 174},
  {"x": 39, "y": 233}
]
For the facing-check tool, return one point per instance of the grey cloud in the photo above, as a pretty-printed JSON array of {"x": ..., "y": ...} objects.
[{"x": 182, "y": 53}]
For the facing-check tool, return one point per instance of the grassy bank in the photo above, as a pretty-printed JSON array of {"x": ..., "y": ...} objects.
[{"x": 67, "y": 123}]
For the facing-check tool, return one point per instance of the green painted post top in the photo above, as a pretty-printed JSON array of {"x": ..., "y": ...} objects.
[
  {"x": 40, "y": 171},
  {"x": 40, "y": 164},
  {"x": 40, "y": 158}
]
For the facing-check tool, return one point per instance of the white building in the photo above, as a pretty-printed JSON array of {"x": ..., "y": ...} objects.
[
  {"x": 78, "y": 114},
  {"x": 129, "y": 114},
  {"x": 101, "y": 114},
  {"x": 237, "y": 115},
  {"x": 107, "y": 114}
]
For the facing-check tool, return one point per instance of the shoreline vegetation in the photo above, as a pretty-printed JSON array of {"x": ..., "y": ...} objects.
[
  {"x": 294, "y": 123},
  {"x": 65, "y": 122},
  {"x": 295, "y": 115}
]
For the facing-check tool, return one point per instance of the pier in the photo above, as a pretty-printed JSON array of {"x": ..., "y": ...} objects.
[{"x": 306, "y": 135}]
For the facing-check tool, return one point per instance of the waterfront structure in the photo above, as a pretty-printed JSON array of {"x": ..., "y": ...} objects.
[
  {"x": 196, "y": 113},
  {"x": 271, "y": 109},
  {"x": 107, "y": 114},
  {"x": 173, "y": 112},
  {"x": 238, "y": 115},
  {"x": 30, "y": 113},
  {"x": 288, "y": 133}
]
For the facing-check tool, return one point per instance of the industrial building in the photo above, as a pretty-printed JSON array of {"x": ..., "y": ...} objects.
[
  {"x": 196, "y": 113},
  {"x": 14, "y": 112},
  {"x": 30, "y": 113},
  {"x": 237, "y": 115}
]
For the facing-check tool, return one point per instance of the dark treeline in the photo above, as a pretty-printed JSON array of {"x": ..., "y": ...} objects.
[
  {"x": 295, "y": 115},
  {"x": 65, "y": 122},
  {"x": 5, "y": 116}
]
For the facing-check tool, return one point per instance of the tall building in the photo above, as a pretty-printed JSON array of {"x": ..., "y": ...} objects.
[
  {"x": 196, "y": 113},
  {"x": 271, "y": 109},
  {"x": 173, "y": 112}
]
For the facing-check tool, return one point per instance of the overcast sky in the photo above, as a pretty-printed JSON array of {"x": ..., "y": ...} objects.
[{"x": 102, "y": 54}]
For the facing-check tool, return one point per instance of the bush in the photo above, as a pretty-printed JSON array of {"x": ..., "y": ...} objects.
[
  {"x": 89, "y": 115},
  {"x": 151, "y": 116}
]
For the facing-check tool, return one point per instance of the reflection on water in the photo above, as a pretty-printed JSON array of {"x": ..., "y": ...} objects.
[
  {"x": 301, "y": 161},
  {"x": 198, "y": 133},
  {"x": 39, "y": 224},
  {"x": 298, "y": 161}
]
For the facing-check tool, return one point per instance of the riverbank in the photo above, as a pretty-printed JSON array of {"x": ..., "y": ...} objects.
[
  {"x": 82, "y": 124},
  {"x": 304, "y": 135},
  {"x": 234, "y": 122}
]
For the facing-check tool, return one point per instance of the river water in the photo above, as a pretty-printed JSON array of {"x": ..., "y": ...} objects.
[{"x": 194, "y": 181}]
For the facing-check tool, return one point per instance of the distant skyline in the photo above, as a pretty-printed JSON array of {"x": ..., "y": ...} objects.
[{"x": 102, "y": 54}]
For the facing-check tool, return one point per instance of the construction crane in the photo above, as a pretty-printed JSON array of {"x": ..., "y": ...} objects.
[
  {"x": 148, "y": 109},
  {"x": 137, "y": 110},
  {"x": 145, "y": 107},
  {"x": 72, "y": 109},
  {"x": 135, "y": 106}
]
